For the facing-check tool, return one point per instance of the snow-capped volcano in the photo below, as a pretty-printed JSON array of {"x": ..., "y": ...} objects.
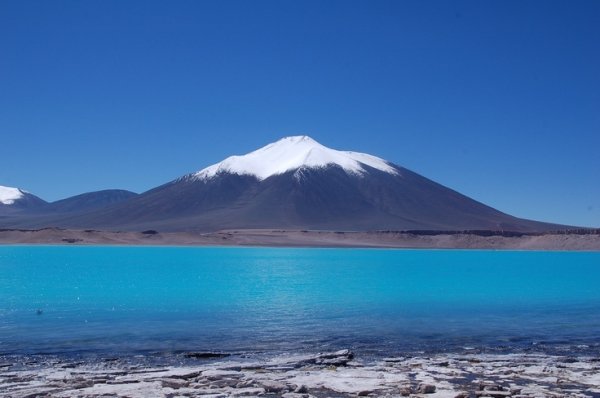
[
  {"x": 15, "y": 200},
  {"x": 292, "y": 153},
  {"x": 8, "y": 195},
  {"x": 295, "y": 183}
]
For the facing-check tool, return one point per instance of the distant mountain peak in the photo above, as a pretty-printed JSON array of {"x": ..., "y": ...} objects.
[
  {"x": 9, "y": 195},
  {"x": 291, "y": 153}
]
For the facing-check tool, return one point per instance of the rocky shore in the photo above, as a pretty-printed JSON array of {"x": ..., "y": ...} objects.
[{"x": 336, "y": 374}]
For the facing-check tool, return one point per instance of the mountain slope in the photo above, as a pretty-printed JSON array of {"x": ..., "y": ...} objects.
[
  {"x": 297, "y": 183},
  {"x": 89, "y": 201}
]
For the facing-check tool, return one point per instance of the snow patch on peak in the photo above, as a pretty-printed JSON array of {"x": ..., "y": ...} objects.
[
  {"x": 292, "y": 153},
  {"x": 9, "y": 195}
]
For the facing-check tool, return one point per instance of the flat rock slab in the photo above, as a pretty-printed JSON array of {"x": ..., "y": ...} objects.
[{"x": 305, "y": 376}]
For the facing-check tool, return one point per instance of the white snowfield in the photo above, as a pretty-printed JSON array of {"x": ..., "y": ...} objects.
[
  {"x": 293, "y": 153},
  {"x": 9, "y": 195}
]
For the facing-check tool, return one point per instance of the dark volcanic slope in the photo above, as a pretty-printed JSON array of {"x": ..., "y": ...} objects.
[
  {"x": 90, "y": 201},
  {"x": 325, "y": 198}
]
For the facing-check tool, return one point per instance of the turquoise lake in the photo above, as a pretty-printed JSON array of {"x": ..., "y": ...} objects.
[{"x": 130, "y": 300}]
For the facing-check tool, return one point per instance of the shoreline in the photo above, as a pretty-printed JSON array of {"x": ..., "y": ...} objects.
[
  {"x": 483, "y": 240},
  {"x": 332, "y": 374}
]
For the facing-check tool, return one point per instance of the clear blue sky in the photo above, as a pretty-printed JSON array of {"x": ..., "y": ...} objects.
[{"x": 499, "y": 100}]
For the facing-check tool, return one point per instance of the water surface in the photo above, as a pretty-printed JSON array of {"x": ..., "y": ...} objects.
[{"x": 129, "y": 300}]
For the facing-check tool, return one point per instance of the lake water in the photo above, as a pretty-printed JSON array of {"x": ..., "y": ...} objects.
[{"x": 132, "y": 300}]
